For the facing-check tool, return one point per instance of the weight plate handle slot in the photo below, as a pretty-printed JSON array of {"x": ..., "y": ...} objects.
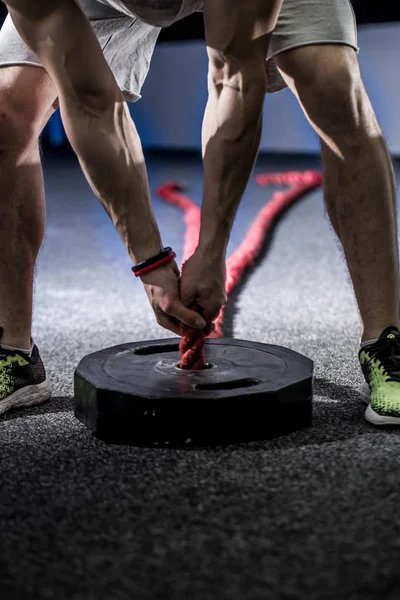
[
  {"x": 150, "y": 349},
  {"x": 228, "y": 385}
]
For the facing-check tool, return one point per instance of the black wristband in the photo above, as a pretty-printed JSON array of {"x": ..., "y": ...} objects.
[{"x": 153, "y": 259}]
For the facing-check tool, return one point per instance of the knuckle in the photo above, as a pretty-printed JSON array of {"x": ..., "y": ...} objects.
[{"x": 168, "y": 305}]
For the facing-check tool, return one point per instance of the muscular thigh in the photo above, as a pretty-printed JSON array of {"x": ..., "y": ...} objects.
[
  {"x": 306, "y": 27},
  {"x": 75, "y": 63},
  {"x": 325, "y": 78},
  {"x": 327, "y": 81},
  {"x": 27, "y": 96},
  {"x": 316, "y": 64}
]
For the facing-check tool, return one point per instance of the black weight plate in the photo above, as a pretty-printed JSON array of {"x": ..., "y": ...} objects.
[{"x": 138, "y": 390}]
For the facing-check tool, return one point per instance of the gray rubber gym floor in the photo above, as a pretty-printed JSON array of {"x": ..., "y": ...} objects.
[{"x": 314, "y": 515}]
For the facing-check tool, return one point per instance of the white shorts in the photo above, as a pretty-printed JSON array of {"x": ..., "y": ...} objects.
[{"x": 128, "y": 42}]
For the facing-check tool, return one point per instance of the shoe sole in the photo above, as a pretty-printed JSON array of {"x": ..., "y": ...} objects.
[
  {"x": 372, "y": 416},
  {"x": 27, "y": 396}
]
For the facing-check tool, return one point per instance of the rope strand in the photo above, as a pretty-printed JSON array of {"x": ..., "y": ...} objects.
[{"x": 192, "y": 343}]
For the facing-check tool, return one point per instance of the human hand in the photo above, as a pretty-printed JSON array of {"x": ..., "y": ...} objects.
[
  {"x": 203, "y": 283},
  {"x": 162, "y": 289}
]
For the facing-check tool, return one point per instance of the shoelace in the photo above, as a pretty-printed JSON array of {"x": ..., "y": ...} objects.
[{"x": 388, "y": 352}]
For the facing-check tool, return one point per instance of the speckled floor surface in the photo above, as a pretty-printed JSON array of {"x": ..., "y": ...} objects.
[{"x": 314, "y": 515}]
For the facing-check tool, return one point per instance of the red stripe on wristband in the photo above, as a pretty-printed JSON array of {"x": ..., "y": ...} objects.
[{"x": 159, "y": 263}]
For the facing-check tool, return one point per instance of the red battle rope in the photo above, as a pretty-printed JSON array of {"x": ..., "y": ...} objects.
[{"x": 192, "y": 342}]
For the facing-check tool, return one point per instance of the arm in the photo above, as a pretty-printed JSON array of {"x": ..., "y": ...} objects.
[
  {"x": 100, "y": 130},
  {"x": 237, "y": 35},
  {"x": 94, "y": 115}
]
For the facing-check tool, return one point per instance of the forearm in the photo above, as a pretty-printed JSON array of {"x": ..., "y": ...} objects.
[
  {"x": 110, "y": 153},
  {"x": 230, "y": 139},
  {"x": 95, "y": 117}
]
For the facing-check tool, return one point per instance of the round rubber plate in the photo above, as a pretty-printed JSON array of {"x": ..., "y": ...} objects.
[
  {"x": 137, "y": 394},
  {"x": 235, "y": 367}
]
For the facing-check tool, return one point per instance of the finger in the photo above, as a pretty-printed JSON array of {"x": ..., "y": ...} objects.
[
  {"x": 187, "y": 298},
  {"x": 209, "y": 329},
  {"x": 176, "y": 309},
  {"x": 176, "y": 269},
  {"x": 210, "y": 310},
  {"x": 169, "y": 323}
]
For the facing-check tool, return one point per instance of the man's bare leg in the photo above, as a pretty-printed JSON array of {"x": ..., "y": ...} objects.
[
  {"x": 358, "y": 175},
  {"x": 26, "y": 98}
]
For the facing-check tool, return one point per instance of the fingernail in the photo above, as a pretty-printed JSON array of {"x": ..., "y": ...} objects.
[{"x": 200, "y": 323}]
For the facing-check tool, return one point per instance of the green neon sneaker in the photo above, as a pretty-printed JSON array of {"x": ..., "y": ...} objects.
[
  {"x": 23, "y": 379},
  {"x": 380, "y": 363}
]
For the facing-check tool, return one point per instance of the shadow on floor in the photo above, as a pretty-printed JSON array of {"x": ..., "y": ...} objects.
[
  {"x": 338, "y": 416},
  {"x": 231, "y": 306}
]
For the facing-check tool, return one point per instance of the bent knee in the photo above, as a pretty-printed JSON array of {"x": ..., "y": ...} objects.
[
  {"x": 18, "y": 132},
  {"x": 26, "y": 99},
  {"x": 329, "y": 86}
]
